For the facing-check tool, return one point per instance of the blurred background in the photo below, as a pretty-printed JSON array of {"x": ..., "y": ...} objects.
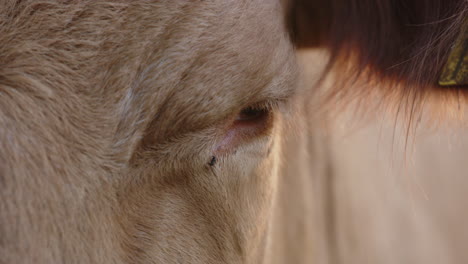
[{"x": 382, "y": 193}]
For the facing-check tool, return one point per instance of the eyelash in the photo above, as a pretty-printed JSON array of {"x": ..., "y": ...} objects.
[
  {"x": 267, "y": 105},
  {"x": 258, "y": 111}
]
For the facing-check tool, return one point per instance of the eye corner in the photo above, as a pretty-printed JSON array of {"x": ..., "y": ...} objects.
[{"x": 252, "y": 122}]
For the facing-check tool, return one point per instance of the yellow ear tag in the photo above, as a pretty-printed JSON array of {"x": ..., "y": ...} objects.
[{"x": 455, "y": 71}]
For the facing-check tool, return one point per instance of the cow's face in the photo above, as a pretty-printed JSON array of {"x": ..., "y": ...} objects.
[
  {"x": 141, "y": 132},
  {"x": 201, "y": 176}
]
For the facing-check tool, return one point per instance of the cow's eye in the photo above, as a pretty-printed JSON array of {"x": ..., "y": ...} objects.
[
  {"x": 254, "y": 119},
  {"x": 252, "y": 114},
  {"x": 250, "y": 122}
]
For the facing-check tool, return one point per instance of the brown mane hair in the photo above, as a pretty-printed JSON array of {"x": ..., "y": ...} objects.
[{"x": 400, "y": 46}]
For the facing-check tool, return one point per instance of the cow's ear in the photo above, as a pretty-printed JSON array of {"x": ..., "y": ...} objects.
[{"x": 398, "y": 40}]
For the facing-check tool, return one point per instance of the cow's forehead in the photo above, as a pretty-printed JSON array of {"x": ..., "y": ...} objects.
[{"x": 237, "y": 48}]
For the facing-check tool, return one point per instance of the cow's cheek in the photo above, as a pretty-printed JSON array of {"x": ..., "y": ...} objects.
[
  {"x": 227, "y": 208},
  {"x": 256, "y": 198},
  {"x": 250, "y": 176},
  {"x": 201, "y": 213}
]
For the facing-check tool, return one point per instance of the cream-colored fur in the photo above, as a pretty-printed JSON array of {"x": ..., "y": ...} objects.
[{"x": 110, "y": 115}]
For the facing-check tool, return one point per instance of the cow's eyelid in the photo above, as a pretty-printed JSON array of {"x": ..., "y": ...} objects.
[
  {"x": 267, "y": 105},
  {"x": 273, "y": 103}
]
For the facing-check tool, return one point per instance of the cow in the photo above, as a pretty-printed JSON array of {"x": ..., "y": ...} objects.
[{"x": 185, "y": 132}]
